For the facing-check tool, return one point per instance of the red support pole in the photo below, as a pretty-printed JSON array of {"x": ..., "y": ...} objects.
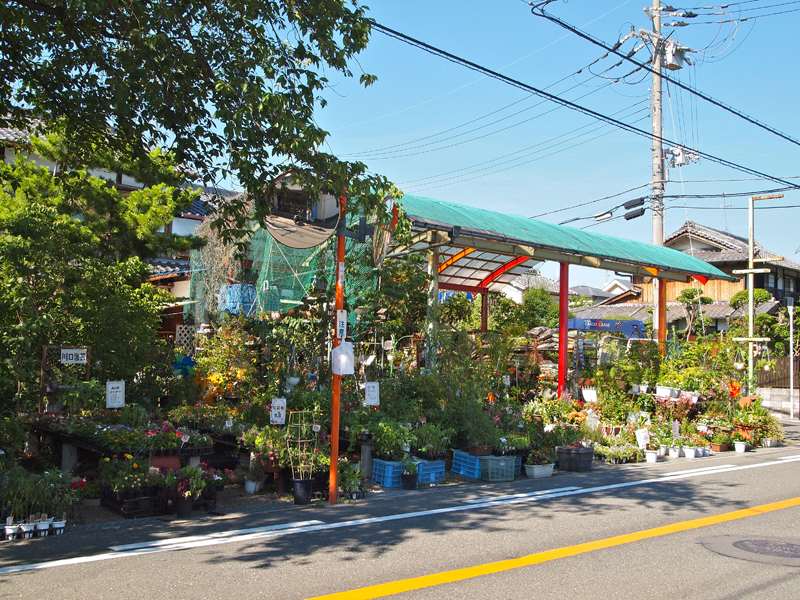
[
  {"x": 563, "y": 316},
  {"x": 333, "y": 490},
  {"x": 484, "y": 311}
]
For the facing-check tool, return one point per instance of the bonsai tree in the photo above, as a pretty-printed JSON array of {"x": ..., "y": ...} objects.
[{"x": 692, "y": 301}]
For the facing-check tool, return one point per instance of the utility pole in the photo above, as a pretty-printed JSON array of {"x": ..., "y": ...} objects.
[{"x": 658, "y": 166}]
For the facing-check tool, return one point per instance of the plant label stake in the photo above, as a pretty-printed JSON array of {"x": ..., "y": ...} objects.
[
  {"x": 277, "y": 415},
  {"x": 372, "y": 394}
]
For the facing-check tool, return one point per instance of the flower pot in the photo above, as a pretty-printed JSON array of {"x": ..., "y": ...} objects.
[
  {"x": 539, "y": 471},
  {"x": 11, "y": 531},
  {"x": 667, "y": 392},
  {"x": 410, "y": 481},
  {"x": 674, "y": 452},
  {"x": 706, "y": 450},
  {"x": 651, "y": 456},
  {"x": 719, "y": 447},
  {"x": 480, "y": 450},
  {"x": 574, "y": 459},
  {"x": 26, "y": 529},
  {"x": 662, "y": 450},
  {"x": 42, "y": 528},
  {"x": 689, "y": 451},
  {"x": 768, "y": 443},
  {"x": 57, "y": 527},
  {"x": 251, "y": 487},
  {"x": 301, "y": 488},
  {"x": 184, "y": 508},
  {"x": 741, "y": 447}
]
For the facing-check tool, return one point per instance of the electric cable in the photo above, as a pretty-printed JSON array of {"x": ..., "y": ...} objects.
[
  {"x": 702, "y": 95},
  {"x": 576, "y": 107}
]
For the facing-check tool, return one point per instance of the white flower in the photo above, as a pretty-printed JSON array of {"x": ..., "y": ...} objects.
[{"x": 549, "y": 427}]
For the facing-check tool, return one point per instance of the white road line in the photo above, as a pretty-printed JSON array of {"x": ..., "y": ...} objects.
[
  {"x": 714, "y": 468},
  {"x": 510, "y": 496},
  {"x": 217, "y": 535},
  {"x": 213, "y": 541},
  {"x": 792, "y": 457}
]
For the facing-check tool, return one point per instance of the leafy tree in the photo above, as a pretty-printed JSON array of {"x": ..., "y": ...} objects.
[
  {"x": 692, "y": 301},
  {"x": 741, "y": 298},
  {"x": 455, "y": 310},
  {"x": 229, "y": 86},
  {"x": 69, "y": 274}
]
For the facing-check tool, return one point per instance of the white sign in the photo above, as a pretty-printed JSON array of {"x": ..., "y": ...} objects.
[
  {"x": 73, "y": 356},
  {"x": 277, "y": 414},
  {"x": 341, "y": 324},
  {"x": 115, "y": 394},
  {"x": 676, "y": 429},
  {"x": 507, "y": 380},
  {"x": 372, "y": 393},
  {"x": 642, "y": 438}
]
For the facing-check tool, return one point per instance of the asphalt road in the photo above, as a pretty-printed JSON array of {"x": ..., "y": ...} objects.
[{"x": 629, "y": 531}]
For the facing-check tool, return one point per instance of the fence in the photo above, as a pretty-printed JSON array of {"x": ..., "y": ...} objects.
[{"x": 779, "y": 377}]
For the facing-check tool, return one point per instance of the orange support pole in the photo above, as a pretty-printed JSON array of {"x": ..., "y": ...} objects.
[
  {"x": 662, "y": 317},
  {"x": 333, "y": 490},
  {"x": 563, "y": 333},
  {"x": 484, "y": 311}
]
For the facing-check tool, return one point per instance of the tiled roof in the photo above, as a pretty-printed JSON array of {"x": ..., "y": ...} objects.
[
  {"x": 159, "y": 267},
  {"x": 736, "y": 247},
  {"x": 590, "y": 292},
  {"x": 11, "y": 136},
  {"x": 209, "y": 201}
]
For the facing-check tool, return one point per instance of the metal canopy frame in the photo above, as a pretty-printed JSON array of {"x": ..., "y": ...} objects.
[{"x": 481, "y": 251}]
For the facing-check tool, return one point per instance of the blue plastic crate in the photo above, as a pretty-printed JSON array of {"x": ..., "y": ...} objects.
[
  {"x": 430, "y": 471},
  {"x": 466, "y": 465},
  {"x": 388, "y": 474}
]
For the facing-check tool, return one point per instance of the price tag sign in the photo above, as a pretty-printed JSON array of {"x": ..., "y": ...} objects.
[
  {"x": 72, "y": 356},
  {"x": 642, "y": 438},
  {"x": 507, "y": 380},
  {"x": 315, "y": 428},
  {"x": 228, "y": 424},
  {"x": 676, "y": 429},
  {"x": 372, "y": 393},
  {"x": 115, "y": 394},
  {"x": 184, "y": 438},
  {"x": 277, "y": 414},
  {"x": 241, "y": 426},
  {"x": 341, "y": 324}
]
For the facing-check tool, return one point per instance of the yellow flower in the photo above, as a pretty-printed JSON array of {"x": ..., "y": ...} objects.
[
  {"x": 128, "y": 456},
  {"x": 106, "y": 459}
]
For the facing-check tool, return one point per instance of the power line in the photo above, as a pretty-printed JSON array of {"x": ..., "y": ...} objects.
[
  {"x": 705, "y": 97},
  {"x": 576, "y": 107}
]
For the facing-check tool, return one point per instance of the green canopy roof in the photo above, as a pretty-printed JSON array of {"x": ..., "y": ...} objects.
[{"x": 482, "y": 235}]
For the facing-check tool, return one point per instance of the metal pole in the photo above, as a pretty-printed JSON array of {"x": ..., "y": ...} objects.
[
  {"x": 333, "y": 490},
  {"x": 791, "y": 362},
  {"x": 750, "y": 298},
  {"x": 563, "y": 331}
]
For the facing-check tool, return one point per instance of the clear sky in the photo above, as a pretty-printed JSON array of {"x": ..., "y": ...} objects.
[{"x": 438, "y": 129}]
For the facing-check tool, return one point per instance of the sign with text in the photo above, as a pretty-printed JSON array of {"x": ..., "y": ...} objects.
[
  {"x": 642, "y": 438},
  {"x": 73, "y": 356},
  {"x": 115, "y": 394},
  {"x": 372, "y": 393},
  {"x": 506, "y": 380},
  {"x": 341, "y": 324},
  {"x": 277, "y": 414}
]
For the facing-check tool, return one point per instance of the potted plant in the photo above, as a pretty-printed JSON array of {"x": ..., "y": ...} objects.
[
  {"x": 186, "y": 485},
  {"x": 90, "y": 493},
  {"x": 302, "y": 437},
  {"x": 772, "y": 433},
  {"x": 350, "y": 476},
  {"x": 255, "y": 477},
  {"x": 675, "y": 447},
  {"x": 410, "y": 475},
  {"x": 720, "y": 441},
  {"x": 540, "y": 463}
]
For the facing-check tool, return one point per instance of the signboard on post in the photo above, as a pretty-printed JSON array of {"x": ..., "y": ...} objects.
[
  {"x": 115, "y": 394},
  {"x": 341, "y": 324},
  {"x": 642, "y": 438},
  {"x": 372, "y": 394},
  {"x": 277, "y": 415},
  {"x": 73, "y": 356}
]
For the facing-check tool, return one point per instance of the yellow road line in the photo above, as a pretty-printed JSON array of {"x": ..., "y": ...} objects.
[{"x": 415, "y": 583}]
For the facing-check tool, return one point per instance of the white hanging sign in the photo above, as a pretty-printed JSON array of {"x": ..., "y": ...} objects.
[
  {"x": 372, "y": 393},
  {"x": 341, "y": 324},
  {"x": 507, "y": 380},
  {"x": 73, "y": 356},
  {"x": 277, "y": 414},
  {"x": 115, "y": 394}
]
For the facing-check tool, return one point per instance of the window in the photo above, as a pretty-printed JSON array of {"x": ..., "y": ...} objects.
[{"x": 769, "y": 280}]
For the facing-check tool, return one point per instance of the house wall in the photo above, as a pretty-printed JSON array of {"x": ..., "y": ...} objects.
[
  {"x": 715, "y": 289},
  {"x": 776, "y": 401},
  {"x": 180, "y": 289}
]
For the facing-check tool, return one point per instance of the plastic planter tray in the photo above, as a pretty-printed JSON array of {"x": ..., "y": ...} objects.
[
  {"x": 497, "y": 468},
  {"x": 430, "y": 471},
  {"x": 388, "y": 474},
  {"x": 466, "y": 465},
  {"x": 574, "y": 459}
]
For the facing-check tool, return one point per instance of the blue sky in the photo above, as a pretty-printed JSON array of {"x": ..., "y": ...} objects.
[{"x": 440, "y": 130}]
